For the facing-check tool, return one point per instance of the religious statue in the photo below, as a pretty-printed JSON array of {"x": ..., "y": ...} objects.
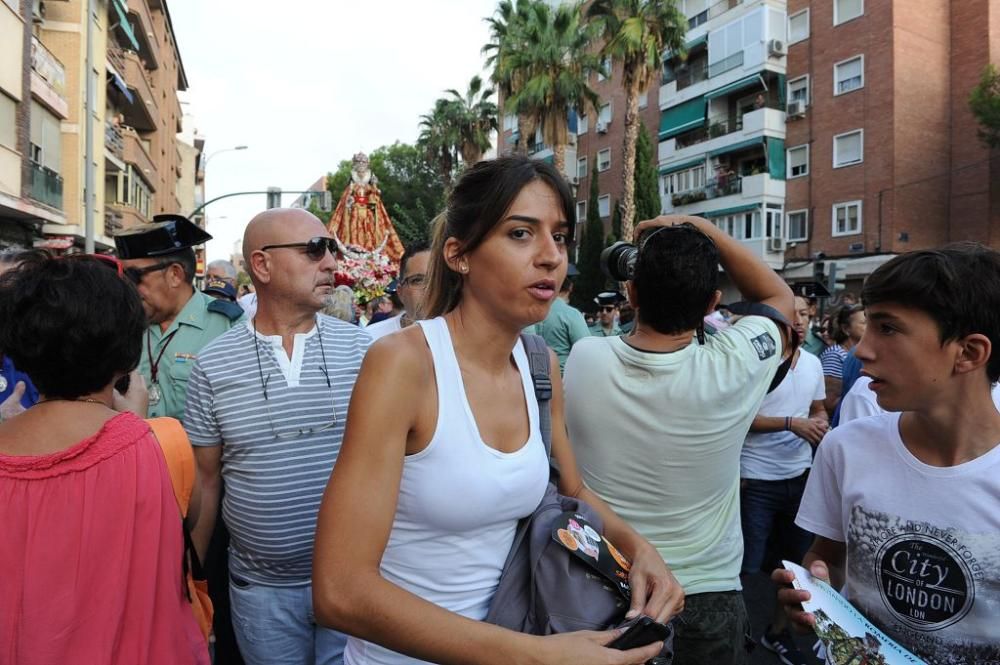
[{"x": 360, "y": 220}]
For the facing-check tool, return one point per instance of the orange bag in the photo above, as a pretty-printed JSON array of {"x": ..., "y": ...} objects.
[{"x": 180, "y": 463}]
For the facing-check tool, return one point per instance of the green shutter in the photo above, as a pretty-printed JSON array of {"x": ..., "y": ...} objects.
[
  {"x": 681, "y": 118},
  {"x": 742, "y": 84},
  {"x": 123, "y": 22},
  {"x": 674, "y": 168},
  {"x": 776, "y": 158},
  {"x": 731, "y": 211},
  {"x": 736, "y": 147}
]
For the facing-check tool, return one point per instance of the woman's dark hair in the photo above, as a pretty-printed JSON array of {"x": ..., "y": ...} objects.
[
  {"x": 957, "y": 285},
  {"x": 676, "y": 277},
  {"x": 73, "y": 325},
  {"x": 842, "y": 321},
  {"x": 479, "y": 202}
]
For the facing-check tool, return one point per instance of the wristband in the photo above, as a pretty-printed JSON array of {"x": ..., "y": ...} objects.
[{"x": 788, "y": 423}]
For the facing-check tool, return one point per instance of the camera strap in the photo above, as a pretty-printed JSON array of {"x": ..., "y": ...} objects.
[{"x": 746, "y": 308}]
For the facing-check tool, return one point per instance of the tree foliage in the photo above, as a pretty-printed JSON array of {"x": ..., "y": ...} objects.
[
  {"x": 636, "y": 33},
  {"x": 411, "y": 189},
  {"x": 590, "y": 282},
  {"x": 474, "y": 115},
  {"x": 985, "y": 105},
  {"x": 647, "y": 178}
]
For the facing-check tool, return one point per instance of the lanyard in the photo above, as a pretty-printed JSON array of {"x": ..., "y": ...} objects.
[{"x": 154, "y": 366}]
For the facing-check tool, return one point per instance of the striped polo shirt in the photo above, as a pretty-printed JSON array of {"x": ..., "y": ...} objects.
[{"x": 278, "y": 452}]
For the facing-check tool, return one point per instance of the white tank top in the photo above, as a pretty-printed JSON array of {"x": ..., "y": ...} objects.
[{"x": 459, "y": 502}]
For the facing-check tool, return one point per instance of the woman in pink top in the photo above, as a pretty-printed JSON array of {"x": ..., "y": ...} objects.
[{"x": 92, "y": 544}]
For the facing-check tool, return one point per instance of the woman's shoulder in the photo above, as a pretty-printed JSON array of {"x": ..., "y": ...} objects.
[{"x": 400, "y": 355}]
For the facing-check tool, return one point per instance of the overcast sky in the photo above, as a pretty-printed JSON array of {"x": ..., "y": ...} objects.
[{"x": 307, "y": 83}]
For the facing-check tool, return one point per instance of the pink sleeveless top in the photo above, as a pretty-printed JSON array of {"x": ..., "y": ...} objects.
[{"x": 90, "y": 555}]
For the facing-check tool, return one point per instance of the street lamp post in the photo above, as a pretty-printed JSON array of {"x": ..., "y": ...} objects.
[{"x": 219, "y": 152}]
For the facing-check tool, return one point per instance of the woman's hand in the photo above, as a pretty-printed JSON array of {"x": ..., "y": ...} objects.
[
  {"x": 135, "y": 399},
  {"x": 655, "y": 591},
  {"x": 587, "y": 647}
]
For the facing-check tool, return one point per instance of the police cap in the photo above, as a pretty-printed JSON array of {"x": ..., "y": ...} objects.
[{"x": 166, "y": 235}]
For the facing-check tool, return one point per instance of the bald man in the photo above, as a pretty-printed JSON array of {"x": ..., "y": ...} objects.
[{"x": 266, "y": 408}]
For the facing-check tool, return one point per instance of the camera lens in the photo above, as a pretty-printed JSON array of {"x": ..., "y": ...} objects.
[{"x": 618, "y": 261}]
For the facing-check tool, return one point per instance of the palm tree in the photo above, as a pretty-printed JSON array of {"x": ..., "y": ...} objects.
[
  {"x": 439, "y": 138},
  {"x": 475, "y": 117},
  {"x": 550, "y": 72},
  {"x": 636, "y": 33},
  {"x": 508, "y": 28}
]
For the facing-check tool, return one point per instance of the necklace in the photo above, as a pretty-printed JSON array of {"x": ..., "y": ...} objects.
[{"x": 88, "y": 400}]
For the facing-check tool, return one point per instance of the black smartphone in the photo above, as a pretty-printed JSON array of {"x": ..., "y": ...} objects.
[
  {"x": 644, "y": 631},
  {"x": 122, "y": 385}
]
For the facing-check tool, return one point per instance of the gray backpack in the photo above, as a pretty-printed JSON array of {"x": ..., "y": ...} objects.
[{"x": 543, "y": 588}]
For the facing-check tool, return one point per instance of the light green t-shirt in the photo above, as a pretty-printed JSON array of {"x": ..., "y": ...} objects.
[
  {"x": 658, "y": 436},
  {"x": 562, "y": 328}
]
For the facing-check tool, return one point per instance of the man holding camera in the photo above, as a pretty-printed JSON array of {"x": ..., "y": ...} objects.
[{"x": 662, "y": 447}]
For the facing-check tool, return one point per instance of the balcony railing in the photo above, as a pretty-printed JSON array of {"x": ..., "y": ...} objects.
[
  {"x": 116, "y": 56},
  {"x": 46, "y": 186},
  {"x": 48, "y": 67},
  {"x": 690, "y": 76},
  {"x": 723, "y": 66},
  {"x": 113, "y": 222},
  {"x": 535, "y": 148},
  {"x": 713, "y": 189},
  {"x": 114, "y": 140},
  {"x": 717, "y": 9}
]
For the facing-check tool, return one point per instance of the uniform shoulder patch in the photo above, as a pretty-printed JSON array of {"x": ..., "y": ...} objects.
[
  {"x": 230, "y": 310},
  {"x": 764, "y": 345}
]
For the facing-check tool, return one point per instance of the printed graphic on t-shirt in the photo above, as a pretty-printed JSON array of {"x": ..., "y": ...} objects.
[
  {"x": 934, "y": 590},
  {"x": 764, "y": 345}
]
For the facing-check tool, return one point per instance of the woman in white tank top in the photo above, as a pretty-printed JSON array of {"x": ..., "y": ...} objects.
[{"x": 442, "y": 454}]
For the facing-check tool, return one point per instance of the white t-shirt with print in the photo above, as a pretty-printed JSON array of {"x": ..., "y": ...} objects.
[
  {"x": 658, "y": 436},
  {"x": 783, "y": 455},
  {"x": 923, "y": 542}
]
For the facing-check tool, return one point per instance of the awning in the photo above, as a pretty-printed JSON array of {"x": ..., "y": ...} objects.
[
  {"x": 123, "y": 23},
  {"x": 776, "y": 158},
  {"x": 690, "y": 46},
  {"x": 674, "y": 168},
  {"x": 742, "y": 84},
  {"x": 681, "y": 118},
  {"x": 736, "y": 147},
  {"x": 731, "y": 211},
  {"x": 119, "y": 83}
]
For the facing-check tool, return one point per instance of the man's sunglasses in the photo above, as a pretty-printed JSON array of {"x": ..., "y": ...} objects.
[
  {"x": 135, "y": 275},
  {"x": 315, "y": 248},
  {"x": 607, "y": 308}
]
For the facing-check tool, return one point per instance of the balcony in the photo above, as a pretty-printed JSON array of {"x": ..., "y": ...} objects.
[
  {"x": 126, "y": 216},
  {"x": 113, "y": 221},
  {"x": 48, "y": 79},
  {"x": 46, "y": 186},
  {"x": 114, "y": 140},
  {"x": 721, "y": 132},
  {"x": 142, "y": 20},
  {"x": 726, "y": 64},
  {"x": 135, "y": 153},
  {"x": 142, "y": 112}
]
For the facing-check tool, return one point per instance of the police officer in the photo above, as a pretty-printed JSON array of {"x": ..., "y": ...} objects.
[
  {"x": 607, "y": 314},
  {"x": 159, "y": 259},
  {"x": 564, "y": 326}
]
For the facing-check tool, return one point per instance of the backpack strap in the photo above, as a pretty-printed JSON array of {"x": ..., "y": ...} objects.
[
  {"x": 538, "y": 364},
  {"x": 179, "y": 457}
]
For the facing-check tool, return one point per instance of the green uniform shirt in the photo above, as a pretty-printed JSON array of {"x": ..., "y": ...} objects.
[
  {"x": 597, "y": 330},
  {"x": 813, "y": 344},
  {"x": 195, "y": 326},
  {"x": 562, "y": 328}
]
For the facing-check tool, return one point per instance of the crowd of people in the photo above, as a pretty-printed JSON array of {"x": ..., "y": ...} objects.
[{"x": 357, "y": 488}]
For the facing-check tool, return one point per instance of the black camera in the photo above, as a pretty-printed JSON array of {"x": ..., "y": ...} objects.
[{"x": 618, "y": 261}]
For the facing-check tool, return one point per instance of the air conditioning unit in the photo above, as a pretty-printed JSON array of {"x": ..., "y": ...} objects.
[
  {"x": 574, "y": 180},
  {"x": 38, "y": 11},
  {"x": 776, "y": 244},
  {"x": 796, "y": 108},
  {"x": 602, "y": 127},
  {"x": 776, "y": 47}
]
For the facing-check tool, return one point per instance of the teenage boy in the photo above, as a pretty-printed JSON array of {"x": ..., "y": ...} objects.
[{"x": 906, "y": 506}]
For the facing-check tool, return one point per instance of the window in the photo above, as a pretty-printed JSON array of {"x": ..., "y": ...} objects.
[
  {"x": 847, "y": 218},
  {"x": 798, "y": 161},
  {"x": 845, "y": 10},
  {"x": 8, "y": 122},
  {"x": 581, "y": 212},
  {"x": 684, "y": 181},
  {"x": 849, "y": 75},
  {"x": 582, "y": 123},
  {"x": 644, "y": 99},
  {"x": 798, "y": 225},
  {"x": 581, "y": 167},
  {"x": 848, "y": 148},
  {"x": 798, "y": 26},
  {"x": 604, "y": 205},
  {"x": 772, "y": 221},
  {"x": 604, "y": 116},
  {"x": 46, "y": 138},
  {"x": 604, "y": 159},
  {"x": 510, "y": 122},
  {"x": 798, "y": 90},
  {"x": 605, "y": 67},
  {"x": 745, "y": 226}
]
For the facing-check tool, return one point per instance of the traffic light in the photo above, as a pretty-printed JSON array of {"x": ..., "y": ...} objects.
[
  {"x": 819, "y": 272},
  {"x": 838, "y": 275},
  {"x": 273, "y": 197},
  {"x": 326, "y": 201}
]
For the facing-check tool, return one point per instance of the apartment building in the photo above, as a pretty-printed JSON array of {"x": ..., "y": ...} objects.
[
  {"x": 32, "y": 105},
  {"x": 722, "y": 124},
  {"x": 135, "y": 158},
  {"x": 882, "y": 150}
]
